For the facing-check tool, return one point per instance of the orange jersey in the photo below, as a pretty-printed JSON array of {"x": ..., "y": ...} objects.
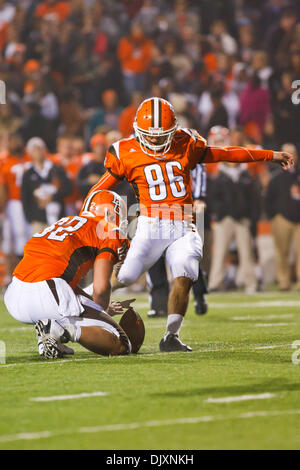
[
  {"x": 135, "y": 56},
  {"x": 11, "y": 174},
  {"x": 166, "y": 181},
  {"x": 157, "y": 181},
  {"x": 67, "y": 250},
  {"x": 60, "y": 10}
]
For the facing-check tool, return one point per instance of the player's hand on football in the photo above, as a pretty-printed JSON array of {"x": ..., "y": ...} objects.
[
  {"x": 117, "y": 308},
  {"x": 126, "y": 303},
  {"x": 285, "y": 159}
]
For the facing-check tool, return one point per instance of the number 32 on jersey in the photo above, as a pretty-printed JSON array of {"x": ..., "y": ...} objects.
[
  {"x": 157, "y": 184},
  {"x": 63, "y": 228}
]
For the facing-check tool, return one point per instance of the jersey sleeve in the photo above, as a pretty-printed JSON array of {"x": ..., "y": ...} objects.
[
  {"x": 113, "y": 162},
  {"x": 107, "y": 181},
  {"x": 233, "y": 154},
  {"x": 197, "y": 145},
  {"x": 113, "y": 250}
]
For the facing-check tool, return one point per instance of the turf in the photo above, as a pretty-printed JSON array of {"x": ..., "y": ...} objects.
[{"x": 159, "y": 401}]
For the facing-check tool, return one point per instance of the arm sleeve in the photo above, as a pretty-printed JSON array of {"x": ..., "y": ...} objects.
[
  {"x": 113, "y": 249},
  {"x": 108, "y": 253},
  {"x": 107, "y": 181},
  {"x": 233, "y": 154},
  {"x": 113, "y": 163}
]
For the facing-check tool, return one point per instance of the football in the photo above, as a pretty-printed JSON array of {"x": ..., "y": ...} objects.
[{"x": 134, "y": 327}]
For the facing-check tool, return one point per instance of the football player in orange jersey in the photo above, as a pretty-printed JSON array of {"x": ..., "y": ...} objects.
[
  {"x": 45, "y": 291},
  {"x": 16, "y": 230},
  {"x": 157, "y": 162}
]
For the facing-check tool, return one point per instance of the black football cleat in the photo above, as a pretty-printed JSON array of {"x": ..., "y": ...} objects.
[
  {"x": 201, "y": 305},
  {"x": 172, "y": 343}
]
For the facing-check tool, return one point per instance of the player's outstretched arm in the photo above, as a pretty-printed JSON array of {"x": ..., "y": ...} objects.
[
  {"x": 244, "y": 155},
  {"x": 103, "y": 269}
]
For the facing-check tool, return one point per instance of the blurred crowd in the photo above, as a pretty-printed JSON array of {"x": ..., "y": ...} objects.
[{"x": 75, "y": 72}]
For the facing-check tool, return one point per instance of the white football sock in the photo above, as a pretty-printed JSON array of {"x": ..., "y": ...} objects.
[
  {"x": 78, "y": 322},
  {"x": 66, "y": 323},
  {"x": 173, "y": 324}
]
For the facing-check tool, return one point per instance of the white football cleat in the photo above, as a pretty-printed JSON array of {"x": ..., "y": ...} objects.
[{"x": 51, "y": 337}]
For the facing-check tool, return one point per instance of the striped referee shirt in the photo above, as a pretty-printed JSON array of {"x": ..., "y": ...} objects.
[{"x": 199, "y": 182}]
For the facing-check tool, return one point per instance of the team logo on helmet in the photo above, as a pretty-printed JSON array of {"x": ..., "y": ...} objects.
[{"x": 108, "y": 208}]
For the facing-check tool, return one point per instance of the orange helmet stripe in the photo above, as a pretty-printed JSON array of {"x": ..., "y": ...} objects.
[{"x": 89, "y": 200}]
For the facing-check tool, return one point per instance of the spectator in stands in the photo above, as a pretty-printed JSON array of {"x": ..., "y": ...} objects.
[
  {"x": 9, "y": 121},
  {"x": 255, "y": 103},
  {"x": 128, "y": 114},
  {"x": 134, "y": 53},
  {"x": 85, "y": 73},
  {"x": 107, "y": 114},
  {"x": 72, "y": 115},
  {"x": 286, "y": 113},
  {"x": 222, "y": 39},
  {"x": 279, "y": 36},
  {"x": 53, "y": 9},
  {"x": 246, "y": 39},
  {"x": 181, "y": 63},
  {"x": 233, "y": 202},
  {"x": 71, "y": 163},
  {"x": 261, "y": 67},
  {"x": 212, "y": 108},
  {"x": 44, "y": 187},
  {"x": 283, "y": 208},
  {"x": 34, "y": 123},
  {"x": 91, "y": 172}
]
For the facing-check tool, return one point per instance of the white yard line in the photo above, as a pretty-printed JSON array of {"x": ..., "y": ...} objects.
[
  {"x": 141, "y": 305},
  {"x": 257, "y": 396},
  {"x": 30, "y": 436},
  {"x": 155, "y": 325},
  {"x": 69, "y": 397},
  {"x": 18, "y": 328},
  {"x": 270, "y": 303},
  {"x": 267, "y": 325},
  {"x": 262, "y": 317}
]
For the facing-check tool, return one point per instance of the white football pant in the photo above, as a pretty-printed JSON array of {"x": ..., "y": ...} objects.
[
  {"x": 179, "y": 240},
  {"x": 29, "y": 302}
]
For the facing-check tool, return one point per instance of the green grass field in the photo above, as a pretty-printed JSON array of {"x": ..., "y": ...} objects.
[{"x": 243, "y": 346}]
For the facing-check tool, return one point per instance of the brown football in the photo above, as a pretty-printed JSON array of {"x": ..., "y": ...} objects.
[{"x": 134, "y": 327}]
